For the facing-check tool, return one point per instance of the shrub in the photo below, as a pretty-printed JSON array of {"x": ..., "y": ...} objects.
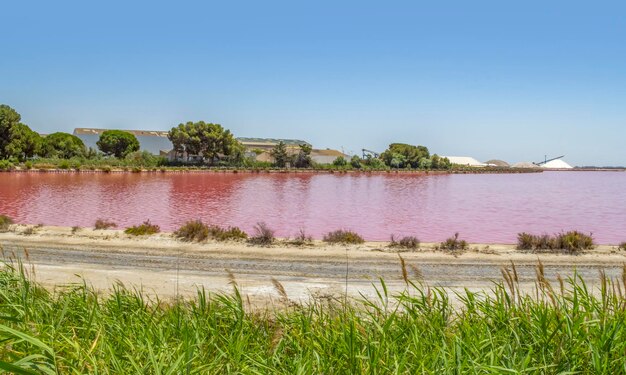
[
  {"x": 5, "y": 223},
  {"x": 145, "y": 229},
  {"x": 263, "y": 235},
  {"x": 572, "y": 241},
  {"x": 301, "y": 239},
  {"x": 194, "y": 230},
  {"x": 64, "y": 164},
  {"x": 106, "y": 169},
  {"x": 344, "y": 237},
  {"x": 230, "y": 233},
  {"x": 5, "y": 165},
  {"x": 454, "y": 244},
  {"x": 28, "y": 165},
  {"x": 104, "y": 224},
  {"x": 622, "y": 246},
  {"x": 407, "y": 242},
  {"x": 29, "y": 231}
]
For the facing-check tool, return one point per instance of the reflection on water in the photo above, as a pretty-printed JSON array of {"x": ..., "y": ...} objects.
[{"x": 483, "y": 208}]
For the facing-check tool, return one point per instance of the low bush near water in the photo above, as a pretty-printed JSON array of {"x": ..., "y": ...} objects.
[
  {"x": 193, "y": 231},
  {"x": 263, "y": 235},
  {"x": 573, "y": 241},
  {"x": 227, "y": 234},
  {"x": 5, "y": 223},
  {"x": 197, "y": 231},
  {"x": 102, "y": 224},
  {"x": 622, "y": 246},
  {"x": 344, "y": 237},
  {"x": 145, "y": 229},
  {"x": 77, "y": 330},
  {"x": 301, "y": 239},
  {"x": 454, "y": 244},
  {"x": 407, "y": 242}
]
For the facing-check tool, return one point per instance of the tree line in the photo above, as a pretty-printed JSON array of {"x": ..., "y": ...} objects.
[{"x": 193, "y": 142}]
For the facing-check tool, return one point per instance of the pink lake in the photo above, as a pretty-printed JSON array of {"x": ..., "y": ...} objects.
[{"x": 485, "y": 208}]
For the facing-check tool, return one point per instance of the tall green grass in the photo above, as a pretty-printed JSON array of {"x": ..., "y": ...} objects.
[{"x": 559, "y": 329}]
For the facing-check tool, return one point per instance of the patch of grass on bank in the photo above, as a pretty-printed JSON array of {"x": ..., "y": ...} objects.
[
  {"x": 406, "y": 242},
  {"x": 342, "y": 236},
  {"x": 102, "y": 224},
  {"x": 454, "y": 244},
  {"x": 5, "y": 223},
  {"x": 568, "y": 329},
  {"x": 144, "y": 229},
  {"x": 573, "y": 242}
]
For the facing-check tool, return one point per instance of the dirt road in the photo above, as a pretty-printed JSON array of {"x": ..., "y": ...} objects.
[{"x": 166, "y": 267}]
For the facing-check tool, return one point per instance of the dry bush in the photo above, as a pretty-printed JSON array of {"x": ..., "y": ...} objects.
[
  {"x": 104, "y": 224},
  {"x": 263, "y": 235},
  {"x": 344, "y": 237},
  {"x": 5, "y": 223},
  {"x": 454, "y": 244},
  {"x": 406, "y": 242}
]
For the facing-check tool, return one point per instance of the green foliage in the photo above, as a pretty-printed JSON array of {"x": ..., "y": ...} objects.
[
  {"x": 303, "y": 159},
  {"x": 263, "y": 235},
  {"x": 211, "y": 141},
  {"x": 340, "y": 161},
  {"x": 9, "y": 118},
  {"x": 280, "y": 155},
  {"x": 143, "y": 159},
  {"x": 400, "y": 155},
  {"x": 63, "y": 146},
  {"x": 5, "y": 223},
  {"x": 193, "y": 231},
  {"x": 28, "y": 165},
  {"x": 407, "y": 242},
  {"x": 118, "y": 143},
  {"x": 64, "y": 164},
  {"x": 102, "y": 224},
  {"x": 454, "y": 244},
  {"x": 24, "y": 143},
  {"x": 6, "y": 165},
  {"x": 344, "y": 237},
  {"x": 355, "y": 162},
  {"x": 572, "y": 242},
  {"x": 145, "y": 229},
  {"x": 572, "y": 329}
]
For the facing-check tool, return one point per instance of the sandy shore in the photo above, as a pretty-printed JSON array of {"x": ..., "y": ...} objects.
[{"x": 162, "y": 265}]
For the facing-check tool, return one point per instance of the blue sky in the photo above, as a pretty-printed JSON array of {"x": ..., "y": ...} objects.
[{"x": 489, "y": 79}]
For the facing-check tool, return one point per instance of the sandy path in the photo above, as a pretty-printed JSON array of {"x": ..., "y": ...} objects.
[{"x": 164, "y": 266}]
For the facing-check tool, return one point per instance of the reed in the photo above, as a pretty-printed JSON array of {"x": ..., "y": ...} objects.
[{"x": 573, "y": 329}]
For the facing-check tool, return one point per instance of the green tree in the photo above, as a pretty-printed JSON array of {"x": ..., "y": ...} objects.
[
  {"x": 340, "y": 161},
  {"x": 280, "y": 155},
  {"x": 400, "y": 155},
  {"x": 208, "y": 140},
  {"x": 355, "y": 161},
  {"x": 8, "y": 119},
  {"x": 23, "y": 142},
  {"x": 117, "y": 142},
  {"x": 62, "y": 145},
  {"x": 303, "y": 159}
]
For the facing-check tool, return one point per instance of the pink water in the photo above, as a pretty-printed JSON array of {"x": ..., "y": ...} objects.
[{"x": 483, "y": 208}]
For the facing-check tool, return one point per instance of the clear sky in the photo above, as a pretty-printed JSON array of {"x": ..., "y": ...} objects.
[{"x": 489, "y": 79}]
